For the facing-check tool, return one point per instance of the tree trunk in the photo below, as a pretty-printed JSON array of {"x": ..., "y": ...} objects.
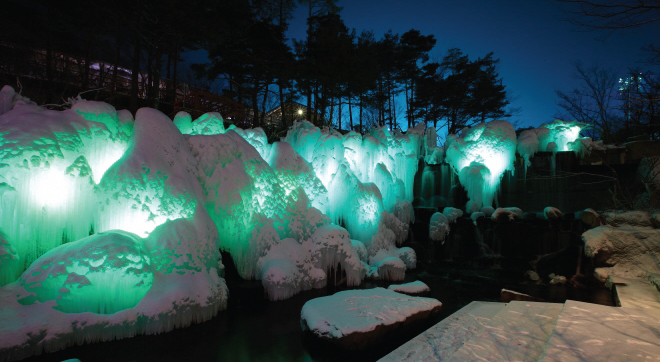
[
  {"x": 157, "y": 70},
  {"x": 113, "y": 84},
  {"x": 135, "y": 81},
  {"x": 350, "y": 113},
  {"x": 361, "y": 104},
  {"x": 174, "y": 73},
  {"x": 339, "y": 114}
]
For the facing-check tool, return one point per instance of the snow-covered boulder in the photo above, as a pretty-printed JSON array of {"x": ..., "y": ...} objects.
[
  {"x": 625, "y": 251},
  {"x": 552, "y": 213},
  {"x": 452, "y": 213},
  {"x": 413, "y": 288},
  {"x": 438, "y": 227},
  {"x": 590, "y": 218},
  {"x": 532, "y": 275},
  {"x": 356, "y": 319},
  {"x": 633, "y": 218},
  {"x": 505, "y": 214}
]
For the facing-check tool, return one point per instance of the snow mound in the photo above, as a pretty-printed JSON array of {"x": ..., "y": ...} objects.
[
  {"x": 357, "y": 318},
  {"x": 412, "y": 288}
]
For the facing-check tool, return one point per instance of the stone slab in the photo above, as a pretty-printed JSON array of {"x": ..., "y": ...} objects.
[
  {"x": 519, "y": 332},
  {"x": 440, "y": 341},
  {"x": 592, "y": 332}
]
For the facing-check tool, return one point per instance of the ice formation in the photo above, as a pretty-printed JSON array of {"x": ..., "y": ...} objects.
[
  {"x": 119, "y": 221},
  {"x": 51, "y": 161},
  {"x": 479, "y": 156}
]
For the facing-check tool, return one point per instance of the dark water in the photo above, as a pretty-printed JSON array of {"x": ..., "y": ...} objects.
[{"x": 252, "y": 329}]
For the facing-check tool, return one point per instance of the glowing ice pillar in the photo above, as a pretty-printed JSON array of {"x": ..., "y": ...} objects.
[{"x": 486, "y": 150}]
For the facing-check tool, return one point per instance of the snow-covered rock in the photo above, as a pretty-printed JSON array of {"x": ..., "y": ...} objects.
[
  {"x": 552, "y": 213},
  {"x": 505, "y": 214},
  {"x": 356, "y": 319},
  {"x": 413, "y": 288},
  {"x": 438, "y": 227},
  {"x": 633, "y": 218},
  {"x": 625, "y": 251},
  {"x": 532, "y": 275}
]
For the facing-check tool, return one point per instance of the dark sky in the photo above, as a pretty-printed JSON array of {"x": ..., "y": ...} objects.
[{"x": 536, "y": 47}]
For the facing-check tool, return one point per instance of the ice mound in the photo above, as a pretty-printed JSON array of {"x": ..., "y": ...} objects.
[
  {"x": 155, "y": 180},
  {"x": 174, "y": 301},
  {"x": 359, "y": 318},
  {"x": 331, "y": 246},
  {"x": 185, "y": 246},
  {"x": 287, "y": 269},
  {"x": 102, "y": 273},
  {"x": 208, "y": 124},
  {"x": 257, "y": 138},
  {"x": 479, "y": 156},
  {"x": 183, "y": 121},
  {"x": 241, "y": 190}
]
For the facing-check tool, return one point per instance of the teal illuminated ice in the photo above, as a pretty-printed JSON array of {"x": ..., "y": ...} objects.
[
  {"x": 103, "y": 273},
  {"x": 51, "y": 161},
  {"x": 479, "y": 156},
  {"x": 155, "y": 180},
  {"x": 560, "y": 132}
]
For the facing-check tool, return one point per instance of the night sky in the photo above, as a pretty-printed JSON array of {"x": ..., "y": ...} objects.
[{"x": 534, "y": 43}]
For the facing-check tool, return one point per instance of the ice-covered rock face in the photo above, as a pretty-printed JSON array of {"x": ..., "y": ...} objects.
[
  {"x": 103, "y": 273},
  {"x": 479, "y": 156}
]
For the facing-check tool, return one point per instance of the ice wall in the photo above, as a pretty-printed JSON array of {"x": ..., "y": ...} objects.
[
  {"x": 480, "y": 155},
  {"x": 143, "y": 208},
  {"x": 363, "y": 175},
  {"x": 50, "y": 162}
]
